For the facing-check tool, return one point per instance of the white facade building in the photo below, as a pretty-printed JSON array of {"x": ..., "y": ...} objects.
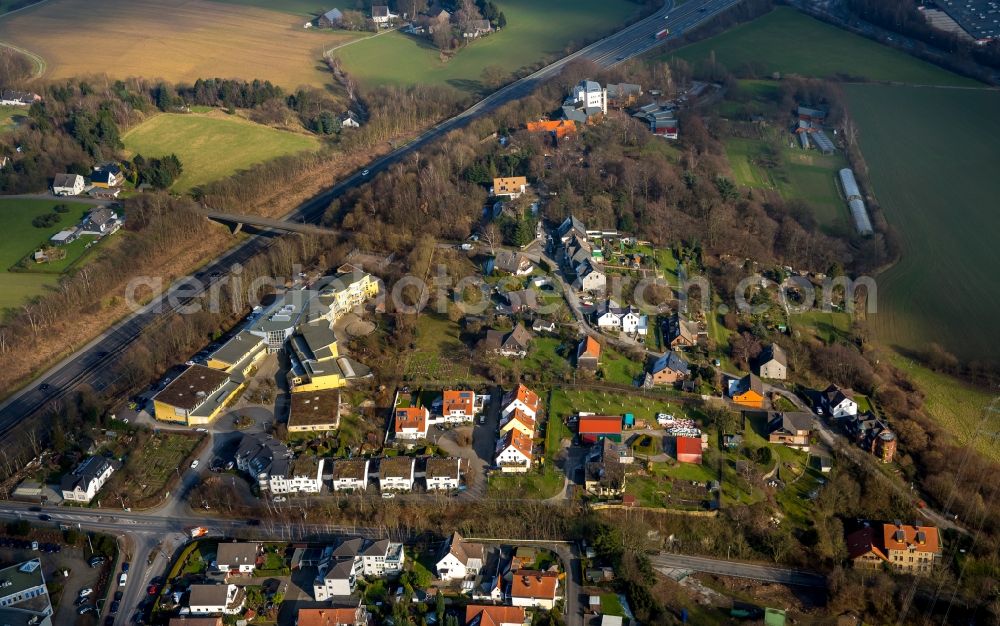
[{"x": 87, "y": 479}]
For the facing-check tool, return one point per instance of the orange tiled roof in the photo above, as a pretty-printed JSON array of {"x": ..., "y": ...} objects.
[
  {"x": 521, "y": 442},
  {"x": 532, "y": 584},
  {"x": 462, "y": 401},
  {"x": 509, "y": 184},
  {"x": 591, "y": 348},
  {"x": 522, "y": 417},
  {"x": 411, "y": 417},
  {"x": 926, "y": 542},
  {"x": 528, "y": 397},
  {"x": 688, "y": 445},
  {"x": 327, "y": 617},
  {"x": 494, "y": 615},
  {"x": 861, "y": 542},
  {"x": 560, "y": 127},
  {"x": 600, "y": 424}
]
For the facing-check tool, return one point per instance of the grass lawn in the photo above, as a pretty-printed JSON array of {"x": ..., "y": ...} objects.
[
  {"x": 565, "y": 402},
  {"x": 618, "y": 368},
  {"x": 545, "y": 359},
  {"x": 212, "y": 146},
  {"x": 776, "y": 41},
  {"x": 825, "y": 326},
  {"x": 611, "y": 605},
  {"x": 201, "y": 39},
  {"x": 20, "y": 238},
  {"x": 535, "y": 484},
  {"x": 536, "y": 30},
  {"x": 804, "y": 175},
  {"x": 440, "y": 354},
  {"x": 936, "y": 180},
  {"x": 9, "y": 116},
  {"x": 960, "y": 408}
]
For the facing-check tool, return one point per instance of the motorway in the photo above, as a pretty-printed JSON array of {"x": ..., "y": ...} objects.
[{"x": 92, "y": 364}]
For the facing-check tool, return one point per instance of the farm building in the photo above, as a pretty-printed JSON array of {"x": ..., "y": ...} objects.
[
  {"x": 854, "y": 200},
  {"x": 688, "y": 449},
  {"x": 593, "y": 428}
]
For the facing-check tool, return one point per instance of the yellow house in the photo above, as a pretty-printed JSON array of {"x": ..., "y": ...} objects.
[
  {"x": 196, "y": 397},
  {"x": 314, "y": 411},
  {"x": 314, "y": 358},
  {"x": 238, "y": 355},
  {"x": 347, "y": 291},
  {"x": 519, "y": 421}
]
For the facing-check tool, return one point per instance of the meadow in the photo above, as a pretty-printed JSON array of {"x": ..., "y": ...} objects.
[
  {"x": 790, "y": 42},
  {"x": 212, "y": 146},
  {"x": 933, "y": 170},
  {"x": 10, "y": 116},
  {"x": 20, "y": 238},
  {"x": 536, "y": 30},
  {"x": 177, "y": 40}
]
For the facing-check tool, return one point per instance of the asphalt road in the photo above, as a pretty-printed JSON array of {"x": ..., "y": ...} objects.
[
  {"x": 89, "y": 364},
  {"x": 722, "y": 567}
]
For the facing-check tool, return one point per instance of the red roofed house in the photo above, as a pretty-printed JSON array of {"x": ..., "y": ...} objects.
[
  {"x": 514, "y": 452},
  {"x": 518, "y": 420},
  {"x": 588, "y": 354},
  {"x": 521, "y": 398},
  {"x": 534, "y": 589},
  {"x": 556, "y": 128},
  {"x": 332, "y": 617},
  {"x": 688, "y": 449},
  {"x": 411, "y": 422},
  {"x": 458, "y": 406},
  {"x": 909, "y": 549},
  {"x": 488, "y": 615},
  {"x": 593, "y": 428}
]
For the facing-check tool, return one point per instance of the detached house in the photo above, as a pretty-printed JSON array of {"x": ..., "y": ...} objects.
[
  {"x": 215, "y": 599},
  {"x": 909, "y": 549},
  {"x": 333, "y": 617},
  {"x": 587, "y": 102},
  {"x": 458, "y": 406},
  {"x": 513, "y": 344},
  {"x": 107, "y": 176},
  {"x": 68, "y": 185},
  {"x": 589, "y": 278},
  {"x": 461, "y": 559},
  {"x": 411, "y": 422},
  {"x": 534, "y": 589},
  {"x": 627, "y": 320},
  {"x": 350, "y": 474},
  {"x": 512, "y": 263},
  {"x": 514, "y": 452},
  {"x": 747, "y": 391},
  {"x": 100, "y": 221},
  {"x": 381, "y": 15},
  {"x": 791, "y": 428},
  {"x": 395, "y": 473},
  {"x": 382, "y": 558},
  {"x": 522, "y": 398},
  {"x": 682, "y": 333},
  {"x": 772, "y": 363},
  {"x": 838, "y": 403},
  {"x": 588, "y": 354},
  {"x": 237, "y": 557},
  {"x": 83, "y": 483},
  {"x": 510, "y": 187},
  {"x": 10, "y": 97},
  {"x": 669, "y": 369},
  {"x": 489, "y": 615}
]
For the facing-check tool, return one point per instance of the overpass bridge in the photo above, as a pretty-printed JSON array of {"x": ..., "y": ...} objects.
[{"x": 237, "y": 221}]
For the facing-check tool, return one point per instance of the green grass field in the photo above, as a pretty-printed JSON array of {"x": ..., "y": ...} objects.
[
  {"x": 936, "y": 180},
  {"x": 212, "y": 147},
  {"x": 536, "y": 30},
  {"x": 20, "y": 238},
  {"x": 790, "y": 42},
  {"x": 9, "y": 116},
  {"x": 804, "y": 175}
]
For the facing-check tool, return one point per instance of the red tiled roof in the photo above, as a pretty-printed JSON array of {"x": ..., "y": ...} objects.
[
  {"x": 600, "y": 424},
  {"x": 688, "y": 445},
  {"x": 411, "y": 417},
  {"x": 926, "y": 542},
  {"x": 532, "y": 584},
  {"x": 590, "y": 348},
  {"x": 526, "y": 396},
  {"x": 519, "y": 440},
  {"x": 458, "y": 401},
  {"x": 494, "y": 615},
  {"x": 327, "y": 617}
]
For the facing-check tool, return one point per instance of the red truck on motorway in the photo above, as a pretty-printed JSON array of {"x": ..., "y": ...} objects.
[{"x": 663, "y": 33}]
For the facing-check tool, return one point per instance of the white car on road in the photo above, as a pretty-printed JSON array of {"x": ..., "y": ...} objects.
[{"x": 194, "y": 464}]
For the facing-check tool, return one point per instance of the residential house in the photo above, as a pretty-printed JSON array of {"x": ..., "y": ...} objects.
[
  {"x": 514, "y": 452},
  {"x": 258, "y": 455},
  {"x": 333, "y": 617},
  {"x": 838, "y": 403},
  {"x": 477, "y": 28},
  {"x": 748, "y": 391},
  {"x": 588, "y": 354},
  {"x": 510, "y": 187},
  {"x": 442, "y": 474},
  {"x": 660, "y": 118},
  {"x": 461, "y": 559},
  {"x": 213, "y": 599},
  {"x": 587, "y": 102},
  {"x": 350, "y": 474},
  {"x": 100, "y": 193},
  {"x": 336, "y": 576},
  {"x": 522, "y": 398},
  {"x": 626, "y": 320},
  {"x": 11, "y": 97},
  {"x": 589, "y": 278},
  {"x": 623, "y": 95},
  {"x": 523, "y": 301},
  {"x": 872, "y": 434},
  {"x": 514, "y": 344},
  {"x": 314, "y": 411},
  {"x": 668, "y": 369},
  {"x": 100, "y": 221},
  {"x": 571, "y": 227},
  {"x": 534, "y": 589},
  {"x": 83, "y": 483},
  {"x": 237, "y": 557},
  {"x": 300, "y": 475},
  {"x": 458, "y": 405},
  {"x": 688, "y": 449},
  {"x": 791, "y": 428},
  {"x": 184, "y": 620},
  {"x": 557, "y": 129},
  {"x": 593, "y": 428},
  {"x": 381, "y": 14},
  {"x": 520, "y": 421},
  {"x": 909, "y": 549},
  {"x": 107, "y": 176},
  {"x": 411, "y": 422},
  {"x": 682, "y": 333},
  {"x": 68, "y": 185},
  {"x": 489, "y": 615},
  {"x": 349, "y": 119},
  {"x": 396, "y": 473},
  {"x": 436, "y": 19},
  {"x": 514, "y": 263},
  {"x": 605, "y": 477},
  {"x": 196, "y": 397},
  {"x": 331, "y": 19},
  {"x": 772, "y": 363},
  {"x": 382, "y": 558}
]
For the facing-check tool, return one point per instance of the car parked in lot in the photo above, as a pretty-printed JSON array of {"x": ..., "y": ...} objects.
[{"x": 86, "y": 591}]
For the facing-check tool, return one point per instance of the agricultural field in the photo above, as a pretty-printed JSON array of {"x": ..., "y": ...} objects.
[
  {"x": 790, "y": 42},
  {"x": 21, "y": 238},
  {"x": 799, "y": 174},
  {"x": 935, "y": 178},
  {"x": 536, "y": 30},
  {"x": 304, "y": 8},
  {"x": 212, "y": 146},
  {"x": 184, "y": 40}
]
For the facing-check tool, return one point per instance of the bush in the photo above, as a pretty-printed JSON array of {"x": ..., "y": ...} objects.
[
  {"x": 61, "y": 208},
  {"x": 45, "y": 221}
]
